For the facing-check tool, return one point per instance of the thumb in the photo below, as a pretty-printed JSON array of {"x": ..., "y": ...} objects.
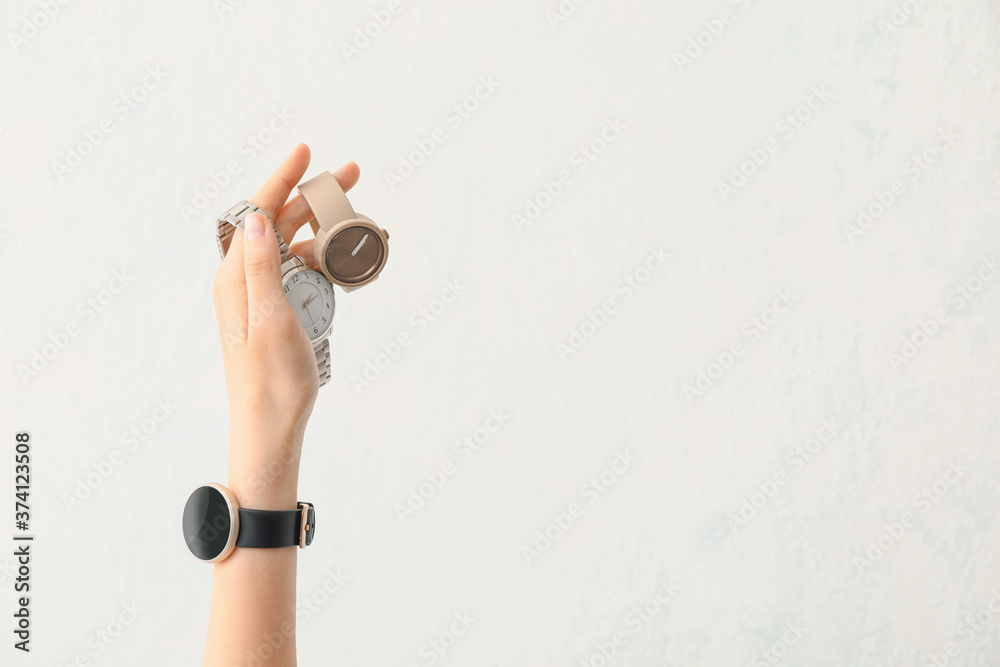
[{"x": 262, "y": 266}]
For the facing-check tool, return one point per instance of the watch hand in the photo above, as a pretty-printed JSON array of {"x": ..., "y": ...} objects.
[
  {"x": 360, "y": 243},
  {"x": 307, "y": 301}
]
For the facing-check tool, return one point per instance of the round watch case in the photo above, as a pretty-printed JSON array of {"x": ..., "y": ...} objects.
[
  {"x": 296, "y": 266},
  {"x": 211, "y": 523},
  {"x": 349, "y": 248},
  {"x": 352, "y": 252},
  {"x": 213, "y": 527}
]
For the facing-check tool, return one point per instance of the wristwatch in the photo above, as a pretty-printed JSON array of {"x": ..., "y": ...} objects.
[
  {"x": 215, "y": 524},
  {"x": 349, "y": 247},
  {"x": 308, "y": 291},
  {"x": 233, "y": 218}
]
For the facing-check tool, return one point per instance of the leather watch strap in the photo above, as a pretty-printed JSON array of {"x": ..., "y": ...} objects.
[
  {"x": 270, "y": 529},
  {"x": 233, "y": 218}
]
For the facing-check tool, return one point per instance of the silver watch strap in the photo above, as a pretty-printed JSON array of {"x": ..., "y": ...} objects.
[
  {"x": 233, "y": 218},
  {"x": 323, "y": 361},
  {"x": 227, "y": 224}
]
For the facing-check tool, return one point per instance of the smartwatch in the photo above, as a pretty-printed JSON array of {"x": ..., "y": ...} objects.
[
  {"x": 215, "y": 524},
  {"x": 307, "y": 290},
  {"x": 349, "y": 247}
]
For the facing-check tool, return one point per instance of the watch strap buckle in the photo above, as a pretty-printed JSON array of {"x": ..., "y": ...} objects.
[{"x": 307, "y": 524}]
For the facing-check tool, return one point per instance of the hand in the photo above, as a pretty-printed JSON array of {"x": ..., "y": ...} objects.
[{"x": 270, "y": 365}]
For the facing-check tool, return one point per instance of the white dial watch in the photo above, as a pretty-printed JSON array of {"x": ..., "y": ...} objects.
[{"x": 308, "y": 291}]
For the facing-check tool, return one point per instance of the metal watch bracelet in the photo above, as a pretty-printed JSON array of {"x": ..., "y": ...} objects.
[
  {"x": 323, "y": 361},
  {"x": 227, "y": 224},
  {"x": 233, "y": 218}
]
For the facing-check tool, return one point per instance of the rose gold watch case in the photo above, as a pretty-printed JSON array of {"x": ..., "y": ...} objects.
[{"x": 234, "y": 522}]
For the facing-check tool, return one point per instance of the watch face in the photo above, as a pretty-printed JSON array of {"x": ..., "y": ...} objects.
[
  {"x": 311, "y": 297},
  {"x": 207, "y": 523},
  {"x": 355, "y": 254}
]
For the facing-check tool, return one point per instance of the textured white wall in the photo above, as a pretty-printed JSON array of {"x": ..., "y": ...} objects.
[{"x": 821, "y": 437}]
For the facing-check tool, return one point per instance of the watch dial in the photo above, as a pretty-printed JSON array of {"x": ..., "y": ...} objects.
[
  {"x": 311, "y": 297},
  {"x": 207, "y": 523},
  {"x": 355, "y": 254}
]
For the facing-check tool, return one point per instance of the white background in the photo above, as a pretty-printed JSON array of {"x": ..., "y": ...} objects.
[{"x": 802, "y": 558}]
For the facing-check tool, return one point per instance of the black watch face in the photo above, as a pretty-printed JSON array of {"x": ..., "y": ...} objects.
[
  {"x": 355, "y": 254},
  {"x": 207, "y": 523}
]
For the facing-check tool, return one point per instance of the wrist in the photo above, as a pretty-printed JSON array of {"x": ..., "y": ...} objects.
[{"x": 264, "y": 468}]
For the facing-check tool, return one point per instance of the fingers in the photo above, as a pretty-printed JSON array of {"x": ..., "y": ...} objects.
[
  {"x": 248, "y": 284},
  {"x": 296, "y": 212},
  {"x": 262, "y": 268},
  {"x": 304, "y": 249},
  {"x": 230, "y": 293},
  {"x": 272, "y": 196}
]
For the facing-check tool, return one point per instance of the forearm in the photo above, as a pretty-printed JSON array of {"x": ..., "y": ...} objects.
[
  {"x": 272, "y": 383},
  {"x": 253, "y": 591}
]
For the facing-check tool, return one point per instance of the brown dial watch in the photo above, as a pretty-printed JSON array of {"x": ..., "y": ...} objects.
[{"x": 350, "y": 248}]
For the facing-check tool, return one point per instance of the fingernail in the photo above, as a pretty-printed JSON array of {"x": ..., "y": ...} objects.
[{"x": 253, "y": 227}]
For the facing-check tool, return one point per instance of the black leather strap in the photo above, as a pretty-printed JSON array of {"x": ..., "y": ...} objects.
[{"x": 269, "y": 529}]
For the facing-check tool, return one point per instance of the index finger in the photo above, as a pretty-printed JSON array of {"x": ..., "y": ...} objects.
[{"x": 272, "y": 196}]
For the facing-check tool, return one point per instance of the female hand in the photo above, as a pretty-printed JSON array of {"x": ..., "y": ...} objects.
[{"x": 270, "y": 366}]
